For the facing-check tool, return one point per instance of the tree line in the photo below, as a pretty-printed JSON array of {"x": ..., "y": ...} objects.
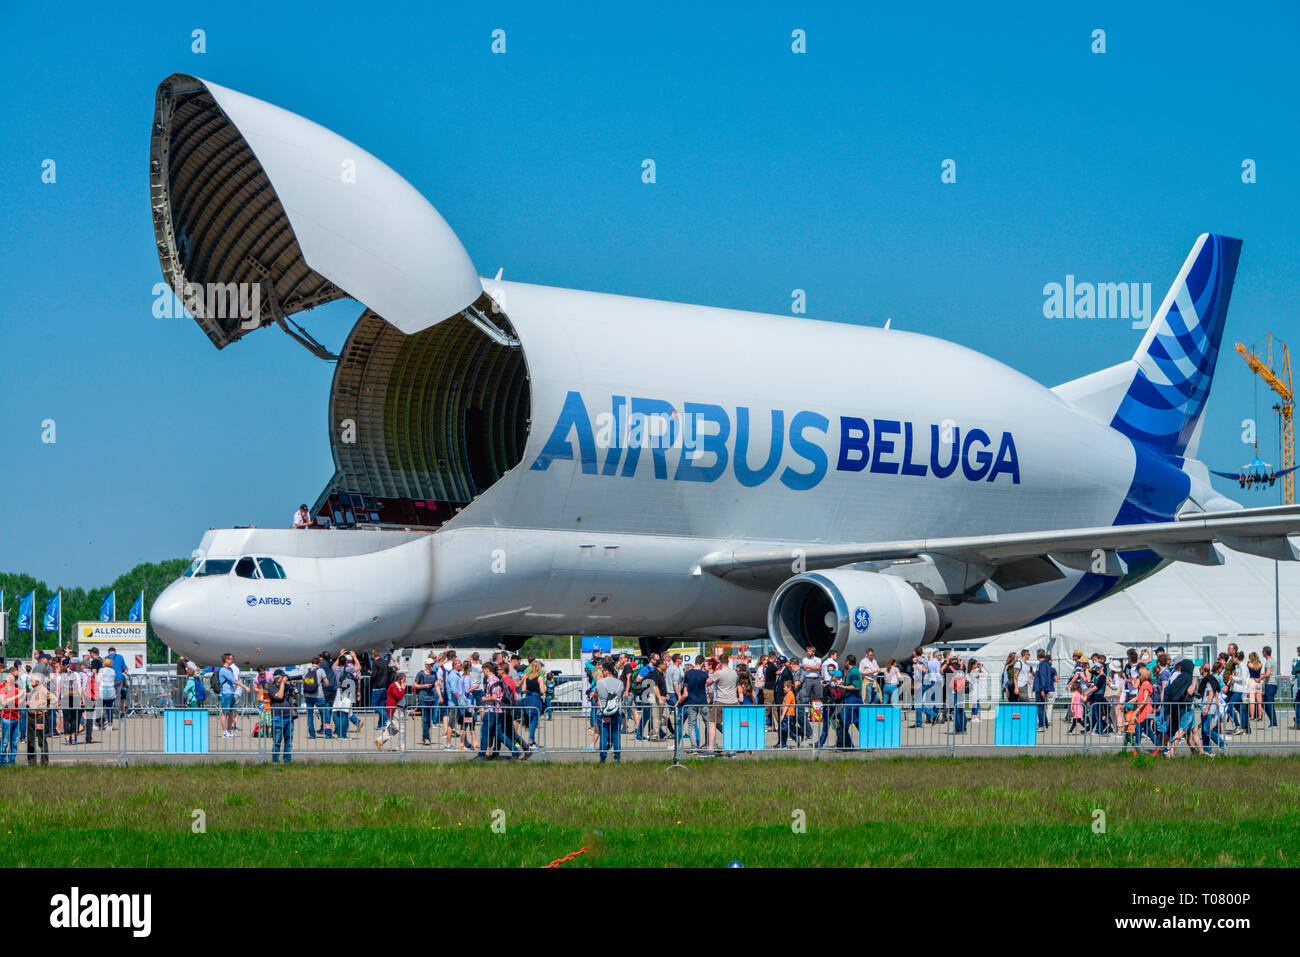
[{"x": 80, "y": 604}]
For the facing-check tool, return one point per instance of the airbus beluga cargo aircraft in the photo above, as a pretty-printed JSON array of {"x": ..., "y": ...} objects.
[{"x": 497, "y": 477}]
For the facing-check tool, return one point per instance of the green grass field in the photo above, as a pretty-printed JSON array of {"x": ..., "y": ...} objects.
[{"x": 905, "y": 812}]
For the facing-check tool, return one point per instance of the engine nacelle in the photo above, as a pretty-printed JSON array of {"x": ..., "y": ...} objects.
[{"x": 850, "y": 611}]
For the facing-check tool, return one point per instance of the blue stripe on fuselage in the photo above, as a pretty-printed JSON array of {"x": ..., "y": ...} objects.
[{"x": 1158, "y": 488}]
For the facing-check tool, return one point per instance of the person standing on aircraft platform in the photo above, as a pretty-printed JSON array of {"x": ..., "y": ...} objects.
[
  {"x": 302, "y": 518},
  {"x": 1044, "y": 689}
]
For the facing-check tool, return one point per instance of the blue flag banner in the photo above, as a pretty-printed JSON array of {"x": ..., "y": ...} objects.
[
  {"x": 137, "y": 610},
  {"x": 107, "y": 607},
  {"x": 25, "y": 604},
  {"x": 52, "y": 613}
]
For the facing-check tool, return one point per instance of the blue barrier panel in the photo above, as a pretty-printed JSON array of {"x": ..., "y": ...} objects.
[
  {"x": 743, "y": 728},
  {"x": 880, "y": 726},
  {"x": 1017, "y": 724},
  {"x": 185, "y": 731}
]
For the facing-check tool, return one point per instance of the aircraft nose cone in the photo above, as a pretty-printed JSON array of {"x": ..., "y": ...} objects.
[{"x": 176, "y": 615}]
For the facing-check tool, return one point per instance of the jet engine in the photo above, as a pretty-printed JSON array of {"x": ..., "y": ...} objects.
[{"x": 849, "y": 611}]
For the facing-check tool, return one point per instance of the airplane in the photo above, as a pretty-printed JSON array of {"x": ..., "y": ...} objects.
[
  {"x": 518, "y": 459},
  {"x": 1257, "y": 474}
]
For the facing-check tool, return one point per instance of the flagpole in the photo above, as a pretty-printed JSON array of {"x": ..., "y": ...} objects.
[
  {"x": 60, "y": 616},
  {"x": 31, "y": 623}
]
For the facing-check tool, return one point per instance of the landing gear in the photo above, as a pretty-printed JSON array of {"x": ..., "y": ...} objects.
[
  {"x": 654, "y": 646},
  {"x": 512, "y": 643}
]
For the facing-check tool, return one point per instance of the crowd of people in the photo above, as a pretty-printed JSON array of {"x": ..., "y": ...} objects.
[
  {"x": 487, "y": 707},
  {"x": 59, "y": 695}
]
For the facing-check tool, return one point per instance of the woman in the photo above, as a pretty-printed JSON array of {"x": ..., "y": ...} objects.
[
  {"x": 1009, "y": 678},
  {"x": 345, "y": 698},
  {"x": 1142, "y": 702},
  {"x": 1115, "y": 697},
  {"x": 468, "y": 685},
  {"x": 182, "y": 676},
  {"x": 893, "y": 678},
  {"x": 974, "y": 684},
  {"x": 534, "y": 702},
  {"x": 1255, "y": 687},
  {"x": 1209, "y": 693},
  {"x": 70, "y": 699}
]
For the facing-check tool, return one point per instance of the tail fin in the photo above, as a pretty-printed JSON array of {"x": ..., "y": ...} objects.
[{"x": 1174, "y": 365}]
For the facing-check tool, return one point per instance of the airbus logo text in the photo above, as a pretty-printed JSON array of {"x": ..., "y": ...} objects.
[
  {"x": 253, "y": 601},
  {"x": 703, "y": 432}
]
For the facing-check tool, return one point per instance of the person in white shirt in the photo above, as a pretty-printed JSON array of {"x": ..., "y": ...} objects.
[
  {"x": 302, "y": 518},
  {"x": 870, "y": 669}
]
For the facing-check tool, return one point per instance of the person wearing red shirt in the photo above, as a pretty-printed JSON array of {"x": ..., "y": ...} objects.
[{"x": 394, "y": 712}]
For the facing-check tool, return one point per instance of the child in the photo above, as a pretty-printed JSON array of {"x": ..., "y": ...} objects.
[
  {"x": 1076, "y": 707},
  {"x": 787, "y": 715}
]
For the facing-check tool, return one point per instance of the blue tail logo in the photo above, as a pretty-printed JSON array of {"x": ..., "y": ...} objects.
[{"x": 1175, "y": 362}]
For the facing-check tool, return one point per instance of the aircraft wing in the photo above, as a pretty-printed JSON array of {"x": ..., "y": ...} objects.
[{"x": 1258, "y": 531}]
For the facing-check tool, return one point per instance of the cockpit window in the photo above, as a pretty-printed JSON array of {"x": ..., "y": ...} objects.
[
  {"x": 270, "y": 568},
  {"x": 246, "y": 568},
  {"x": 215, "y": 566},
  {"x": 194, "y": 567}
]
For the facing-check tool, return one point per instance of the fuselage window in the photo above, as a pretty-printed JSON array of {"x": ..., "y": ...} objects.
[
  {"x": 270, "y": 568},
  {"x": 215, "y": 566},
  {"x": 246, "y": 568}
]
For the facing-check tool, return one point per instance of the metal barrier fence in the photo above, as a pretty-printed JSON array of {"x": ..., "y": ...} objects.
[{"x": 668, "y": 732}]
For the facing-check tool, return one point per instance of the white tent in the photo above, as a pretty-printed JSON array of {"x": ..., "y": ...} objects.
[{"x": 1179, "y": 605}]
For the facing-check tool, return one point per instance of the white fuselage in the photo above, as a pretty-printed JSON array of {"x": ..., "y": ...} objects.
[{"x": 661, "y": 433}]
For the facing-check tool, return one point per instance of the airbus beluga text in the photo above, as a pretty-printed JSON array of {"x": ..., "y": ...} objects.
[{"x": 828, "y": 484}]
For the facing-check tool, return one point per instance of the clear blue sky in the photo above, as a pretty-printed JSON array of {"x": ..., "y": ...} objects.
[{"x": 775, "y": 171}]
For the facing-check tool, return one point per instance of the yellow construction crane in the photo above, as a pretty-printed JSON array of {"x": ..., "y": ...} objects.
[{"x": 1279, "y": 382}]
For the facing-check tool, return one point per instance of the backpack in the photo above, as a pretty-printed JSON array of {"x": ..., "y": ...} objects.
[
  {"x": 310, "y": 683},
  {"x": 199, "y": 694},
  {"x": 507, "y": 695},
  {"x": 214, "y": 681},
  {"x": 612, "y": 706},
  {"x": 331, "y": 682}
]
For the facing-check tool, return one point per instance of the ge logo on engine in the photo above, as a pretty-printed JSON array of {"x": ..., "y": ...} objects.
[{"x": 861, "y": 619}]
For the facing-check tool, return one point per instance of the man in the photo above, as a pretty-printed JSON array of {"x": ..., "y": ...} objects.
[
  {"x": 695, "y": 710},
  {"x": 659, "y": 697},
  {"x": 228, "y": 676},
  {"x": 808, "y": 688},
  {"x": 724, "y": 682},
  {"x": 1044, "y": 689},
  {"x": 119, "y": 677},
  {"x": 302, "y": 518},
  {"x": 609, "y": 697},
  {"x": 41, "y": 702},
  {"x": 1269, "y": 677},
  {"x": 427, "y": 698},
  {"x": 329, "y": 689},
  {"x": 1024, "y": 675},
  {"x": 380, "y": 678},
  {"x": 870, "y": 670},
  {"x": 311, "y": 694},
  {"x": 673, "y": 678},
  {"x": 284, "y": 708}
]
